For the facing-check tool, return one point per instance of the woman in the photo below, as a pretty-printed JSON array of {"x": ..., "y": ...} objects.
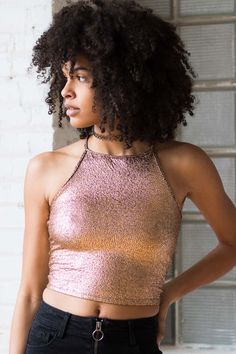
[{"x": 103, "y": 214}]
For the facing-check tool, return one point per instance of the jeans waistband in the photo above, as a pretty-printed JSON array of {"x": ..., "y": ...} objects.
[
  {"x": 95, "y": 323},
  {"x": 89, "y": 319}
]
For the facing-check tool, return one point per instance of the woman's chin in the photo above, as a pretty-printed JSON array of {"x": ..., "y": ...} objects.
[{"x": 76, "y": 123}]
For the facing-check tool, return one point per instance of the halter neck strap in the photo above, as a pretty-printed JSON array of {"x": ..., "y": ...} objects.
[{"x": 150, "y": 150}]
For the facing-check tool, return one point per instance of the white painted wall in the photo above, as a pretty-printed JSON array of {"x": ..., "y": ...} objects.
[{"x": 25, "y": 130}]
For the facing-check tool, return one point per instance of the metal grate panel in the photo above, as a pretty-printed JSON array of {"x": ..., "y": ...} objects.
[
  {"x": 212, "y": 49},
  {"x": 161, "y": 7},
  {"x": 208, "y": 316},
  {"x": 206, "y": 7},
  {"x": 213, "y": 120}
]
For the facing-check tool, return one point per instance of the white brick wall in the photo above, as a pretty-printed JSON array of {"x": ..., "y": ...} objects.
[{"x": 25, "y": 130}]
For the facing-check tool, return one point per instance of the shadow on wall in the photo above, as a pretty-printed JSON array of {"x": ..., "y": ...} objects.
[{"x": 67, "y": 134}]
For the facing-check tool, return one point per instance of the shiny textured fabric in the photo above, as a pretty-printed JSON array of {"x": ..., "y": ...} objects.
[{"x": 113, "y": 229}]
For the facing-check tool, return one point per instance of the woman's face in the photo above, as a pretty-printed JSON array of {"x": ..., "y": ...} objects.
[{"x": 78, "y": 94}]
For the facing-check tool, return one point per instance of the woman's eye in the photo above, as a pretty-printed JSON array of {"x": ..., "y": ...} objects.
[
  {"x": 83, "y": 77},
  {"x": 78, "y": 77}
]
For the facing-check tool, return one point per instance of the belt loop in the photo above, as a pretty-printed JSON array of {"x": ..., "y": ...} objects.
[
  {"x": 63, "y": 325},
  {"x": 131, "y": 332}
]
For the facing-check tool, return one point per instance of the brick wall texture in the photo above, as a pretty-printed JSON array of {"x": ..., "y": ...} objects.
[{"x": 25, "y": 130}]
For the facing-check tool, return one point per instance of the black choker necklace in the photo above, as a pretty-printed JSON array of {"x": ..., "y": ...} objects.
[
  {"x": 110, "y": 137},
  {"x": 106, "y": 137}
]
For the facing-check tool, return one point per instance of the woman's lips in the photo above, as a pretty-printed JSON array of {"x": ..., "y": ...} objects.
[{"x": 72, "y": 111}]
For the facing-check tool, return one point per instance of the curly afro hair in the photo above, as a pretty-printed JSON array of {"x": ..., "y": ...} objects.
[{"x": 140, "y": 67}]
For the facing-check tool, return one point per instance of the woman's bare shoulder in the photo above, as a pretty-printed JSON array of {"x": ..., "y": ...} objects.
[
  {"x": 52, "y": 168},
  {"x": 69, "y": 152},
  {"x": 183, "y": 162},
  {"x": 181, "y": 152}
]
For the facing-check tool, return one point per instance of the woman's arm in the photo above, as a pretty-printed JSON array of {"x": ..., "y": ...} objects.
[
  {"x": 35, "y": 253},
  {"x": 204, "y": 187}
]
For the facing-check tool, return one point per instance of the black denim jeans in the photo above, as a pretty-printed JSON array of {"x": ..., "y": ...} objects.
[{"x": 54, "y": 331}]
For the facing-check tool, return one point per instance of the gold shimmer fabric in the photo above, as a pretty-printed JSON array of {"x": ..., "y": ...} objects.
[{"x": 113, "y": 228}]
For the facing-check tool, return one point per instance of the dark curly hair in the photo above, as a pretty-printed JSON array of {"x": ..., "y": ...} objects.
[{"x": 140, "y": 67}]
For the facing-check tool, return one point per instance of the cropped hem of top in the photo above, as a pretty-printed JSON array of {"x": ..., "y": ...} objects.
[
  {"x": 113, "y": 228},
  {"x": 110, "y": 300}
]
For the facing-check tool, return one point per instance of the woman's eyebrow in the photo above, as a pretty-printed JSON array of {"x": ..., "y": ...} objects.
[
  {"x": 81, "y": 68},
  {"x": 77, "y": 69}
]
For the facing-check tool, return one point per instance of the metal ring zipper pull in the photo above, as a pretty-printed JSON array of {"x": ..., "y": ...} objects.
[{"x": 98, "y": 329}]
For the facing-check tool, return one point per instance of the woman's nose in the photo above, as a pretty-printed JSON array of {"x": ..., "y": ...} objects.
[{"x": 67, "y": 90}]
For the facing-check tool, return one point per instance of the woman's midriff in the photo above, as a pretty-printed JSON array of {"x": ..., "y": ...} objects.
[{"x": 84, "y": 307}]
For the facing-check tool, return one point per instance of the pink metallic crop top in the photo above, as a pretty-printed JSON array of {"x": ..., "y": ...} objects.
[{"x": 113, "y": 228}]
